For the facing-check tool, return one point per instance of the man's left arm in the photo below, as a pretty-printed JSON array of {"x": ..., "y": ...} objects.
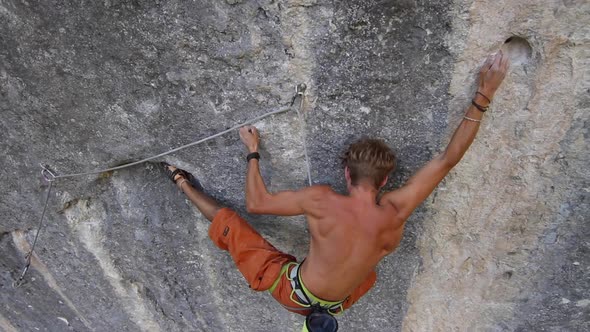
[
  {"x": 421, "y": 184},
  {"x": 258, "y": 199}
]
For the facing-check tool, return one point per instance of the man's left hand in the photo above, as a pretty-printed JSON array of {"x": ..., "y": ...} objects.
[{"x": 250, "y": 137}]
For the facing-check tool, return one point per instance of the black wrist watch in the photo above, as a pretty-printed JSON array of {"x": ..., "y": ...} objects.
[{"x": 253, "y": 155}]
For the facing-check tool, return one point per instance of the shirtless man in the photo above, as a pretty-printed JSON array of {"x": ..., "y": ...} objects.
[{"x": 349, "y": 234}]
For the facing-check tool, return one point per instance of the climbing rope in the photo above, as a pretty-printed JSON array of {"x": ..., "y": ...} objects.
[
  {"x": 300, "y": 91},
  {"x": 50, "y": 177},
  {"x": 176, "y": 149},
  {"x": 29, "y": 255}
]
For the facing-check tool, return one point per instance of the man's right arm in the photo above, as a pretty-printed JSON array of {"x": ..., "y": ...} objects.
[
  {"x": 423, "y": 183},
  {"x": 284, "y": 203}
]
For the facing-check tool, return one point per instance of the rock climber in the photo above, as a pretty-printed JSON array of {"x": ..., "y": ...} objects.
[{"x": 350, "y": 233}]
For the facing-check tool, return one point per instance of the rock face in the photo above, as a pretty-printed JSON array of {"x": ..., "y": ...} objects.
[{"x": 502, "y": 245}]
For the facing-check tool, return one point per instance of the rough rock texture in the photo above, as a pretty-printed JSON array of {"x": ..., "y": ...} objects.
[
  {"x": 502, "y": 245},
  {"x": 507, "y": 245}
]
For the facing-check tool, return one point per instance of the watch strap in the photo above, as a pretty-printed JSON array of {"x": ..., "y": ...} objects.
[{"x": 253, "y": 155}]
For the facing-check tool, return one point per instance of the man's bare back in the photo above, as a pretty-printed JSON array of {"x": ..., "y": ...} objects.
[{"x": 349, "y": 236}]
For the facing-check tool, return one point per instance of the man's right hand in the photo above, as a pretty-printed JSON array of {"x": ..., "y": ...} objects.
[
  {"x": 492, "y": 74},
  {"x": 250, "y": 137}
]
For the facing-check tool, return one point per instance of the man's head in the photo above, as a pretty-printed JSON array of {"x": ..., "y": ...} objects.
[{"x": 368, "y": 160}]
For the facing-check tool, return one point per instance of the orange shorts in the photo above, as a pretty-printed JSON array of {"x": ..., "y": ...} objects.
[{"x": 260, "y": 262}]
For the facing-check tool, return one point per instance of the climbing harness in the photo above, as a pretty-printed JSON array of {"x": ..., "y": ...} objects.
[
  {"x": 321, "y": 318},
  {"x": 321, "y": 313},
  {"x": 306, "y": 298},
  {"x": 50, "y": 176}
]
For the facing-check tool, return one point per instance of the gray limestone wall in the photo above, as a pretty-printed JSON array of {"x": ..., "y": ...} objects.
[{"x": 502, "y": 245}]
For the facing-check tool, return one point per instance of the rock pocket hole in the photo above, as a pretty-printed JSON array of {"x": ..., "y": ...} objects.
[{"x": 518, "y": 49}]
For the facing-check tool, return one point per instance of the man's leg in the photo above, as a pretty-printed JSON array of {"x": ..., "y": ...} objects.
[
  {"x": 207, "y": 205},
  {"x": 259, "y": 261}
]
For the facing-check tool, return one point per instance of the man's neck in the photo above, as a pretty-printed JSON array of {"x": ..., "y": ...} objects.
[{"x": 363, "y": 192}]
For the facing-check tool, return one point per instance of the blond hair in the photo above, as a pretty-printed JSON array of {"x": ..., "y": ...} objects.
[{"x": 369, "y": 159}]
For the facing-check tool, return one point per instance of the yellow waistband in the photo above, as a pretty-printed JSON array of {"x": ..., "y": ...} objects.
[{"x": 284, "y": 270}]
